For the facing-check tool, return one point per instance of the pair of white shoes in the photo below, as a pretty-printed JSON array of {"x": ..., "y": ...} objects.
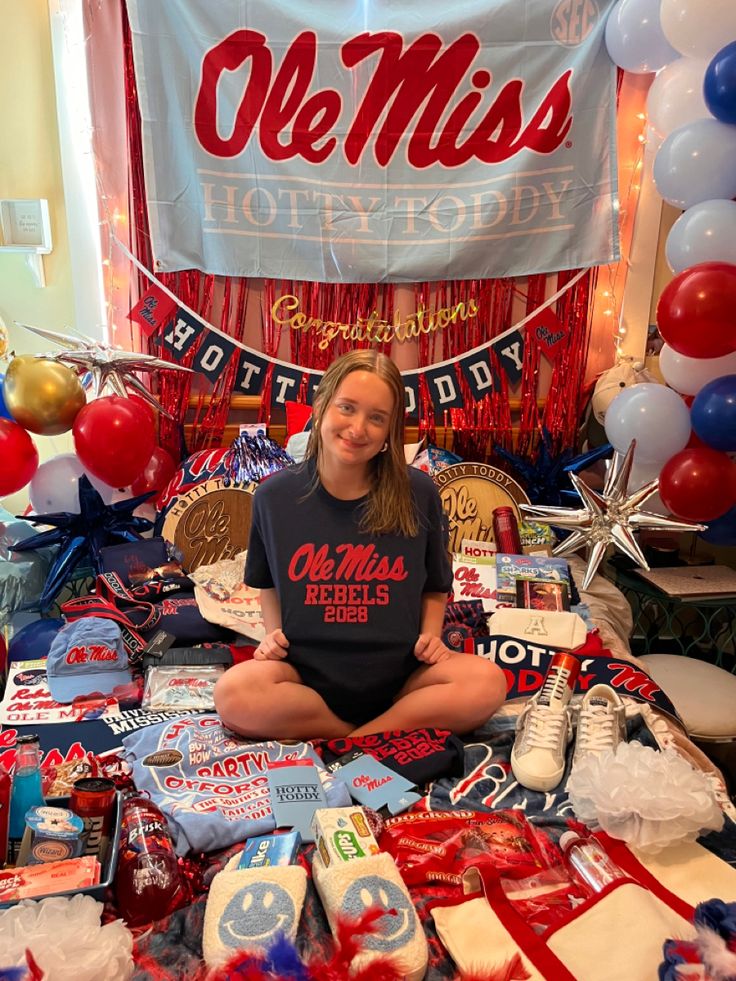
[{"x": 545, "y": 728}]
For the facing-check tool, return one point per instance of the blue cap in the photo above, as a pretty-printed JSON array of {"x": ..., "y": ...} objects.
[{"x": 87, "y": 656}]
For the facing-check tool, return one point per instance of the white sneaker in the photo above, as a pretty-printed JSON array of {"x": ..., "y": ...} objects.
[
  {"x": 543, "y": 731},
  {"x": 601, "y": 723}
]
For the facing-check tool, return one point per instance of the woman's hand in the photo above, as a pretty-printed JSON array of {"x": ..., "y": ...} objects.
[
  {"x": 430, "y": 650},
  {"x": 273, "y": 647}
]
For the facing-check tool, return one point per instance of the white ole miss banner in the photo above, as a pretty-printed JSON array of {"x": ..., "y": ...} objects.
[{"x": 370, "y": 141}]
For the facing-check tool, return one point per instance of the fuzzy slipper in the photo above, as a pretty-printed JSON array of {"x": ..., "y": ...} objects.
[
  {"x": 348, "y": 889},
  {"x": 248, "y": 908}
]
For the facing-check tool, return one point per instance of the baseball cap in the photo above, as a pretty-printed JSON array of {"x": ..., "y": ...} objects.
[{"x": 86, "y": 656}]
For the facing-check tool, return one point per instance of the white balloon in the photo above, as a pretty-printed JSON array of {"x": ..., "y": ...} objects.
[
  {"x": 634, "y": 37},
  {"x": 688, "y": 375},
  {"x": 54, "y": 485},
  {"x": 642, "y": 473},
  {"x": 696, "y": 163},
  {"x": 653, "y": 415},
  {"x": 675, "y": 96},
  {"x": 698, "y": 28},
  {"x": 704, "y": 233}
]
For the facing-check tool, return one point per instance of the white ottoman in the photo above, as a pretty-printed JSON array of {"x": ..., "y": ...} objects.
[{"x": 704, "y": 695}]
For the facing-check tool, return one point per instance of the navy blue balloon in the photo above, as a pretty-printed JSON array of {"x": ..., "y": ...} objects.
[
  {"x": 34, "y": 640},
  {"x": 721, "y": 531},
  {"x": 713, "y": 414},
  {"x": 719, "y": 84},
  {"x": 4, "y": 414}
]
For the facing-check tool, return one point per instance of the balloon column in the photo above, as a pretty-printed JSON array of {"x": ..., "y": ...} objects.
[{"x": 691, "y": 109}]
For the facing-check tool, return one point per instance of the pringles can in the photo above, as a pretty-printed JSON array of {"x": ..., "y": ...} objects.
[{"x": 92, "y": 799}]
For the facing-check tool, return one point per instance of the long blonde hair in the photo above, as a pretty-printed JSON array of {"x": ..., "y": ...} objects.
[{"x": 390, "y": 508}]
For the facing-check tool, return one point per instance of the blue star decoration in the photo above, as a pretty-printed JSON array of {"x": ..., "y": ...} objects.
[
  {"x": 81, "y": 536},
  {"x": 547, "y": 480}
]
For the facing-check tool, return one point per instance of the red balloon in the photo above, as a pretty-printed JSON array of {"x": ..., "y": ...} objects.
[
  {"x": 114, "y": 438},
  {"x": 19, "y": 457},
  {"x": 156, "y": 474},
  {"x": 695, "y": 313},
  {"x": 698, "y": 484}
]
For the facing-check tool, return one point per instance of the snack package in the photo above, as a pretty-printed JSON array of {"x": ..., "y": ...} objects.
[
  {"x": 181, "y": 687},
  {"x": 438, "y": 846},
  {"x": 53, "y": 877}
]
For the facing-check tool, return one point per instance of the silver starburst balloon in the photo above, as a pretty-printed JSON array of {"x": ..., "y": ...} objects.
[
  {"x": 110, "y": 368},
  {"x": 607, "y": 518}
]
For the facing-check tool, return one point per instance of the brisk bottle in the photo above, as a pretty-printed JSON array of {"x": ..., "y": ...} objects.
[{"x": 148, "y": 884}]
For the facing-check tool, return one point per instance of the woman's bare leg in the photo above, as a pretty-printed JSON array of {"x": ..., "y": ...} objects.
[
  {"x": 459, "y": 693},
  {"x": 267, "y": 700}
]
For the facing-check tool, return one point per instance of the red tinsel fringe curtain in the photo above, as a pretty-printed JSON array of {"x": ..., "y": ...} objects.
[{"x": 477, "y": 428}]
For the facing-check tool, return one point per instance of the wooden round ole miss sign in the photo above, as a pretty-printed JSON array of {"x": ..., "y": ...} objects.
[
  {"x": 469, "y": 494},
  {"x": 209, "y": 522}
]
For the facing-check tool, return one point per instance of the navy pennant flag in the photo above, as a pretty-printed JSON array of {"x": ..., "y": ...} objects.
[
  {"x": 444, "y": 387},
  {"x": 251, "y": 373},
  {"x": 411, "y": 388},
  {"x": 182, "y": 333},
  {"x": 510, "y": 353},
  {"x": 480, "y": 374},
  {"x": 285, "y": 384},
  {"x": 213, "y": 356}
]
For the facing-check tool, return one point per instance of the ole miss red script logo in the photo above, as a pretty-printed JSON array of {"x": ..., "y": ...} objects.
[{"x": 407, "y": 93}]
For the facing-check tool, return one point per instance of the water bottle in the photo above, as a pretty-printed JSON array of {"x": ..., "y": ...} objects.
[
  {"x": 148, "y": 883},
  {"x": 26, "y": 790},
  {"x": 589, "y": 862}
]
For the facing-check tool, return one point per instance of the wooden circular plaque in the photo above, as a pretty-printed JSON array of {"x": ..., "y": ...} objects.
[
  {"x": 210, "y": 522},
  {"x": 469, "y": 493}
]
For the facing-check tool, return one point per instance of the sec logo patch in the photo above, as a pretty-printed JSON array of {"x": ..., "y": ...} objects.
[{"x": 573, "y": 20}]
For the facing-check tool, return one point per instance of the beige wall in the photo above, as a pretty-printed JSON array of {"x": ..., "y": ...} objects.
[{"x": 30, "y": 167}]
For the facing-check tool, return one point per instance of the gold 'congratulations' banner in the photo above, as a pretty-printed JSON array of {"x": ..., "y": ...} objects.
[{"x": 285, "y": 311}]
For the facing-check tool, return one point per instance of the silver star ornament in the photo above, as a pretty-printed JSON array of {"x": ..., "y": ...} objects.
[
  {"x": 111, "y": 369},
  {"x": 607, "y": 518}
]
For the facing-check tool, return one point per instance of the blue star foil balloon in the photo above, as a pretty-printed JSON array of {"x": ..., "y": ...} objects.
[
  {"x": 81, "y": 536},
  {"x": 546, "y": 480}
]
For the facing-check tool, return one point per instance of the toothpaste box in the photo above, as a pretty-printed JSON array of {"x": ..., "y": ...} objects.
[
  {"x": 270, "y": 850},
  {"x": 342, "y": 834}
]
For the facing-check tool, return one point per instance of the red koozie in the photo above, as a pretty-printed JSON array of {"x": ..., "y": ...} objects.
[
  {"x": 506, "y": 531},
  {"x": 148, "y": 883}
]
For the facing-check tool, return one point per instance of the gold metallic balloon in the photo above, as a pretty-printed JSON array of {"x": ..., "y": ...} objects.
[{"x": 42, "y": 395}]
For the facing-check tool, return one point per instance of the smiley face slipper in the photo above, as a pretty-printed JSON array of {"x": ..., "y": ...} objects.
[
  {"x": 248, "y": 908},
  {"x": 348, "y": 889}
]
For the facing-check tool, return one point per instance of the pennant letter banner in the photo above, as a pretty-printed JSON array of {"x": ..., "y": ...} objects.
[
  {"x": 182, "y": 334},
  {"x": 251, "y": 374},
  {"x": 444, "y": 388},
  {"x": 213, "y": 356},
  {"x": 411, "y": 387},
  {"x": 154, "y": 309},
  {"x": 377, "y": 142},
  {"x": 479, "y": 373},
  {"x": 510, "y": 352},
  {"x": 285, "y": 384}
]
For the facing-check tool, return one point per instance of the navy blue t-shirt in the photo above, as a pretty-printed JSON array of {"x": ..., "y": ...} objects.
[{"x": 350, "y": 602}]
